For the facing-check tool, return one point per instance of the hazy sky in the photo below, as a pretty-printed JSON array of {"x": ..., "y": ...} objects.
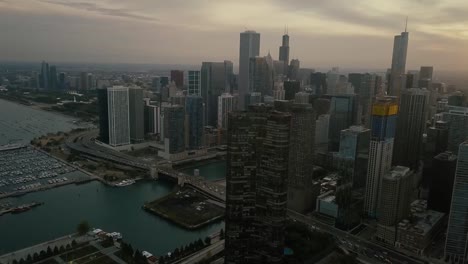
[{"x": 324, "y": 33}]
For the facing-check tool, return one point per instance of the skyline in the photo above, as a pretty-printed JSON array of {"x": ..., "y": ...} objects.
[{"x": 322, "y": 34}]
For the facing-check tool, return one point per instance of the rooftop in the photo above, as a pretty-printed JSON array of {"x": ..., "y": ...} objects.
[{"x": 425, "y": 219}]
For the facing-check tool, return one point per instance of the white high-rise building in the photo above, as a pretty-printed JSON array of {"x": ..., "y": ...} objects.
[
  {"x": 119, "y": 118},
  {"x": 384, "y": 115},
  {"x": 249, "y": 47},
  {"x": 226, "y": 104}
]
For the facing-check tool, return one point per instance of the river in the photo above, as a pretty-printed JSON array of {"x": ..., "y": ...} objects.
[{"x": 108, "y": 208}]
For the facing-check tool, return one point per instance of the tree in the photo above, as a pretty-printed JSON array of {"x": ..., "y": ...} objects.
[
  {"x": 56, "y": 250},
  {"x": 61, "y": 248},
  {"x": 83, "y": 227},
  {"x": 49, "y": 252},
  {"x": 208, "y": 240},
  {"x": 35, "y": 257},
  {"x": 161, "y": 260},
  {"x": 73, "y": 243},
  {"x": 29, "y": 258}
]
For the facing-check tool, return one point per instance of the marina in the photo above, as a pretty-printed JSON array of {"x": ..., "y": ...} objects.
[{"x": 25, "y": 168}]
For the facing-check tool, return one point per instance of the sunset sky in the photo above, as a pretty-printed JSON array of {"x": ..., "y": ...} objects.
[{"x": 323, "y": 33}]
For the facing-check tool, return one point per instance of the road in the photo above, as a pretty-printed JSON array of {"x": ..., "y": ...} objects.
[
  {"x": 211, "y": 250},
  {"x": 356, "y": 244}
]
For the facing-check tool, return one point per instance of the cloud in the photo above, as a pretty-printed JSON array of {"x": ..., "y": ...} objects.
[{"x": 93, "y": 7}]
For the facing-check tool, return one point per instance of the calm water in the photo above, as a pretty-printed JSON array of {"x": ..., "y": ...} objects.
[
  {"x": 20, "y": 123},
  {"x": 111, "y": 209}
]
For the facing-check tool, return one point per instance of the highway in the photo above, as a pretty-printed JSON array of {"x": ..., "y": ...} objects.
[
  {"x": 356, "y": 244},
  {"x": 211, "y": 250}
]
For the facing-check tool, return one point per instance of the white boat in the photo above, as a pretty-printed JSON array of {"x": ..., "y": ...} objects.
[{"x": 125, "y": 183}]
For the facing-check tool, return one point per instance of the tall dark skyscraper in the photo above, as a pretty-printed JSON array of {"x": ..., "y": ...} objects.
[
  {"x": 103, "y": 115},
  {"x": 293, "y": 69},
  {"x": 284, "y": 53},
  {"x": 258, "y": 151},
  {"x": 363, "y": 84},
  {"x": 318, "y": 82},
  {"x": 177, "y": 76},
  {"x": 249, "y": 47},
  {"x": 215, "y": 80},
  {"x": 457, "y": 119},
  {"x": 53, "y": 78},
  {"x": 84, "y": 81},
  {"x": 44, "y": 78},
  {"x": 343, "y": 113},
  {"x": 62, "y": 81},
  {"x": 411, "y": 123},
  {"x": 397, "y": 72},
  {"x": 441, "y": 178},
  {"x": 457, "y": 231},
  {"x": 136, "y": 114},
  {"x": 261, "y": 75},
  {"x": 290, "y": 89},
  {"x": 194, "y": 112},
  {"x": 174, "y": 128}
]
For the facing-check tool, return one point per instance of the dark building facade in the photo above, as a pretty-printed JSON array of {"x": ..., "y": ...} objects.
[
  {"x": 177, "y": 76},
  {"x": 343, "y": 114},
  {"x": 256, "y": 205},
  {"x": 194, "y": 111},
  {"x": 442, "y": 176},
  {"x": 136, "y": 114},
  {"x": 103, "y": 115},
  {"x": 290, "y": 89},
  {"x": 174, "y": 128}
]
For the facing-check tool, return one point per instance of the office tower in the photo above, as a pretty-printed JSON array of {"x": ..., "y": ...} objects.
[
  {"x": 284, "y": 53},
  {"x": 61, "y": 81},
  {"x": 156, "y": 84},
  {"x": 53, "y": 78},
  {"x": 83, "y": 81},
  {"x": 441, "y": 178},
  {"x": 119, "y": 120},
  {"x": 322, "y": 126},
  {"x": 194, "y": 112},
  {"x": 412, "y": 80},
  {"x": 290, "y": 89},
  {"x": 258, "y": 151},
  {"x": 397, "y": 72},
  {"x": 318, "y": 83},
  {"x": 354, "y": 148},
  {"x": 293, "y": 71},
  {"x": 364, "y": 87},
  {"x": 177, "y": 76},
  {"x": 414, "y": 107},
  {"x": 456, "y": 99},
  {"x": 91, "y": 82},
  {"x": 435, "y": 141},
  {"x": 194, "y": 83},
  {"x": 44, "y": 83},
  {"x": 384, "y": 115},
  {"x": 394, "y": 204},
  {"x": 301, "y": 195},
  {"x": 136, "y": 112},
  {"x": 457, "y": 231},
  {"x": 304, "y": 76},
  {"x": 229, "y": 77},
  {"x": 153, "y": 120},
  {"x": 214, "y": 76},
  {"x": 178, "y": 99},
  {"x": 425, "y": 77},
  {"x": 343, "y": 114},
  {"x": 103, "y": 112},
  {"x": 261, "y": 76},
  {"x": 226, "y": 104},
  {"x": 333, "y": 78},
  {"x": 174, "y": 128},
  {"x": 249, "y": 47},
  {"x": 164, "y": 81},
  {"x": 457, "y": 119}
]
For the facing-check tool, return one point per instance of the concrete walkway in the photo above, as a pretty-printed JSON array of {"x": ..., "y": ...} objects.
[{"x": 108, "y": 252}]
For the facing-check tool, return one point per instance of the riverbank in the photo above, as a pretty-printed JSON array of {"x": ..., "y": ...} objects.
[{"x": 186, "y": 208}]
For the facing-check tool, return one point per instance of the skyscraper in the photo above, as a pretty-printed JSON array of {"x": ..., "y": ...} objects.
[
  {"x": 136, "y": 112},
  {"x": 258, "y": 150},
  {"x": 343, "y": 114},
  {"x": 174, "y": 128},
  {"x": 53, "y": 78},
  {"x": 44, "y": 82},
  {"x": 425, "y": 77},
  {"x": 194, "y": 112},
  {"x": 119, "y": 121},
  {"x": 398, "y": 70},
  {"x": 103, "y": 112},
  {"x": 384, "y": 115},
  {"x": 226, "y": 104},
  {"x": 61, "y": 81},
  {"x": 442, "y": 176},
  {"x": 457, "y": 231},
  {"x": 177, "y": 76},
  {"x": 153, "y": 120},
  {"x": 411, "y": 123},
  {"x": 84, "y": 81},
  {"x": 284, "y": 53},
  {"x": 293, "y": 70},
  {"x": 363, "y": 84},
  {"x": 457, "y": 119},
  {"x": 354, "y": 148},
  {"x": 194, "y": 83},
  {"x": 214, "y": 78},
  {"x": 395, "y": 202},
  {"x": 261, "y": 76},
  {"x": 249, "y": 47},
  {"x": 318, "y": 82},
  {"x": 290, "y": 89},
  {"x": 301, "y": 158}
]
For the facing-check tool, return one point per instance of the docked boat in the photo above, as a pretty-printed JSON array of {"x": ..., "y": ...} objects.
[{"x": 125, "y": 183}]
